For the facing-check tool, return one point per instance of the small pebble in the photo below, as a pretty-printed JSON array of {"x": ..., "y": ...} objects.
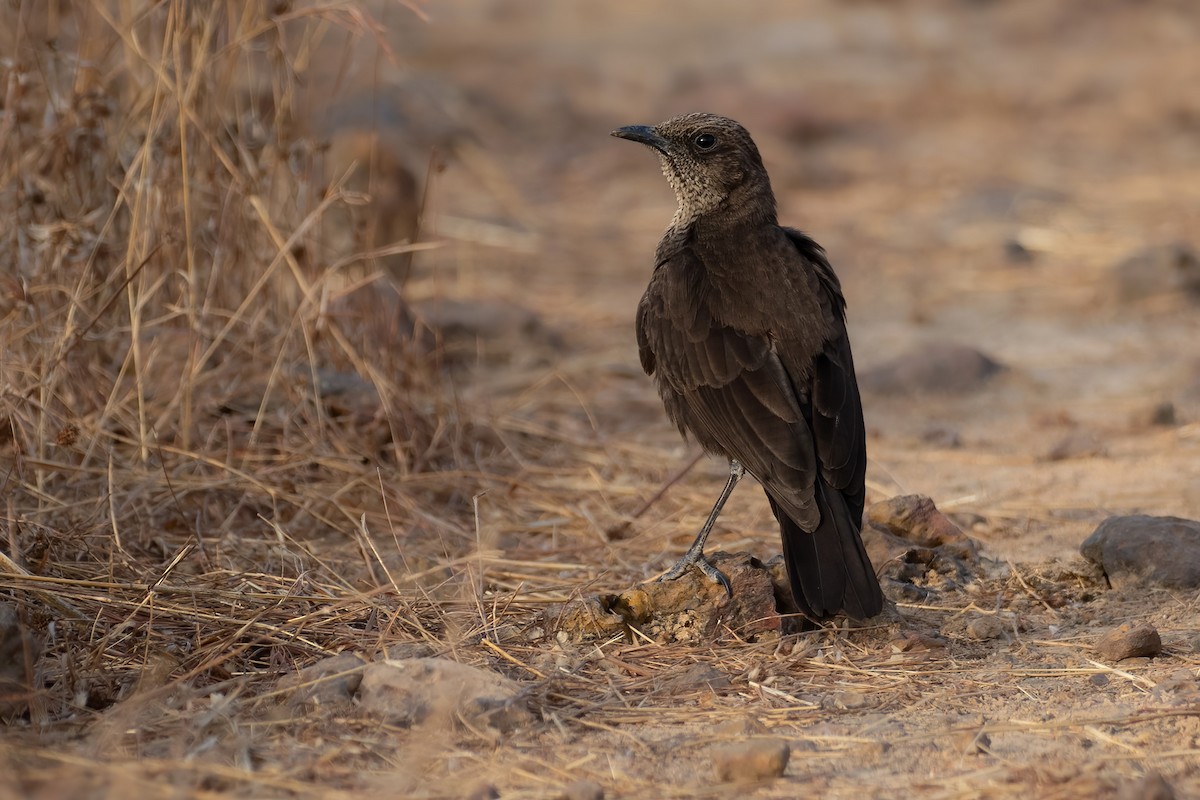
[
  {"x": 1129, "y": 641},
  {"x": 983, "y": 628},
  {"x": 484, "y": 791},
  {"x": 975, "y": 743},
  {"x": 752, "y": 760},
  {"x": 583, "y": 789},
  {"x": 850, "y": 700},
  {"x": 1151, "y": 787}
]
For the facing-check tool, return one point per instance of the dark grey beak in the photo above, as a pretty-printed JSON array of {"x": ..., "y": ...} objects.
[{"x": 642, "y": 134}]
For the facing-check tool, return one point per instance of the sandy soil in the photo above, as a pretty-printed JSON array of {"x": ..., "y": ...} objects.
[
  {"x": 976, "y": 170},
  {"x": 916, "y": 142}
]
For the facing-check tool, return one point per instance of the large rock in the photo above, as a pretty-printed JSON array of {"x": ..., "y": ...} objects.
[
  {"x": 1142, "y": 550},
  {"x": 932, "y": 369},
  {"x": 415, "y": 691}
]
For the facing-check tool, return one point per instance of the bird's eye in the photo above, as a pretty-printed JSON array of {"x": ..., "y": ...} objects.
[{"x": 705, "y": 141}]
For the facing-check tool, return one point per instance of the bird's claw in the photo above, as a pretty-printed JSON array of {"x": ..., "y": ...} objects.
[{"x": 696, "y": 559}]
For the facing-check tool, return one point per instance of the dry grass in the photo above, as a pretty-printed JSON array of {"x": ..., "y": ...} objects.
[
  {"x": 203, "y": 442},
  {"x": 224, "y": 461}
]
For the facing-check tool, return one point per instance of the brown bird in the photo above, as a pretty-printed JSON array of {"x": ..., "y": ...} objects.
[{"x": 743, "y": 328}]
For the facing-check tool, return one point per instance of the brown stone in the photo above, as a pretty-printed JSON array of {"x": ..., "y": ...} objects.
[
  {"x": 1127, "y": 641},
  {"x": 416, "y": 690},
  {"x": 752, "y": 760}
]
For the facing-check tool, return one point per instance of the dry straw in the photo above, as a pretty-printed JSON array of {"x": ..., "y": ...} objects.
[{"x": 219, "y": 464}]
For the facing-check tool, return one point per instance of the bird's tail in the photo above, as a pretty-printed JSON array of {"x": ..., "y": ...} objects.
[{"x": 829, "y": 569}]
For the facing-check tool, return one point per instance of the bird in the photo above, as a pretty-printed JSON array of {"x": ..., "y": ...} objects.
[{"x": 743, "y": 329}]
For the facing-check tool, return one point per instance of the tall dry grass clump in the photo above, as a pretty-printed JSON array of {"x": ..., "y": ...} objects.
[{"x": 196, "y": 419}]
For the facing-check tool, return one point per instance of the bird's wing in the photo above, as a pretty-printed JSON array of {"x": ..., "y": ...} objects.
[
  {"x": 838, "y": 431},
  {"x": 730, "y": 390}
]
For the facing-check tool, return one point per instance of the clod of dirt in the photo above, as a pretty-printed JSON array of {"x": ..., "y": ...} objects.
[
  {"x": 742, "y": 727},
  {"x": 416, "y": 690},
  {"x": 494, "y": 330},
  {"x": 915, "y": 645},
  {"x": 583, "y": 790},
  {"x": 1158, "y": 270},
  {"x": 1078, "y": 443},
  {"x": 932, "y": 369},
  {"x": 1127, "y": 641},
  {"x": 1138, "y": 550},
  {"x": 977, "y": 627},
  {"x": 1160, "y": 415},
  {"x": 942, "y": 437},
  {"x": 974, "y": 743},
  {"x": 848, "y": 701},
  {"x": 18, "y": 647},
  {"x": 1152, "y": 787},
  {"x": 584, "y": 618},
  {"x": 915, "y": 517},
  {"x": 484, "y": 791},
  {"x": 908, "y": 540},
  {"x": 1181, "y": 687},
  {"x": 330, "y": 681},
  {"x": 984, "y": 628},
  {"x": 753, "y": 760},
  {"x": 689, "y": 608}
]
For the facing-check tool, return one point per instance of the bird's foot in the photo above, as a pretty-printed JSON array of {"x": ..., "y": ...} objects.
[{"x": 695, "y": 558}]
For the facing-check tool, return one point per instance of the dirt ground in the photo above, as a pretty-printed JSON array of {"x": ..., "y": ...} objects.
[{"x": 976, "y": 170}]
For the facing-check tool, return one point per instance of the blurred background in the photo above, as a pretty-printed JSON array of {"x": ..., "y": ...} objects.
[
  {"x": 330, "y": 304},
  {"x": 1007, "y": 190}
]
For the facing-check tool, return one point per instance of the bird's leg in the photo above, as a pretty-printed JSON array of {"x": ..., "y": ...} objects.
[{"x": 695, "y": 554}]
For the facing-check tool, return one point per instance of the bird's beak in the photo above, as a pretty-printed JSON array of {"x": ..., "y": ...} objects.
[{"x": 643, "y": 134}]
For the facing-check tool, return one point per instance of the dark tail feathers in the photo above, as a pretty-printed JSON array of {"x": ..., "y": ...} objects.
[{"x": 829, "y": 569}]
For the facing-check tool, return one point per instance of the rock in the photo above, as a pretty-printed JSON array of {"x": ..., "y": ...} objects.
[
  {"x": 752, "y": 760},
  {"x": 693, "y": 601},
  {"x": 20, "y": 650},
  {"x": 916, "y": 549},
  {"x": 583, "y": 789},
  {"x": 942, "y": 437},
  {"x": 1016, "y": 252},
  {"x": 918, "y": 642},
  {"x": 936, "y": 368},
  {"x": 330, "y": 681},
  {"x": 1158, "y": 270},
  {"x": 1151, "y": 787},
  {"x": 977, "y": 627},
  {"x": 1159, "y": 415},
  {"x": 584, "y": 618},
  {"x": 849, "y": 701},
  {"x": 416, "y": 690},
  {"x": 1143, "y": 550},
  {"x": 1076, "y": 444},
  {"x": 484, "y": 791},
  {"x": 1181, "y": 687},
  {"x": 915, "y": 518},
  {"x": 973, "y": 743},
  {"x": 495, "y": 330},
  {"x": 1141, "y": 641},
  {"x": 634, "y": 605},
  {"x": 688, "y": 608},
  {"x": 742, "y": 727},
  {"x": 984, "y": 628}
]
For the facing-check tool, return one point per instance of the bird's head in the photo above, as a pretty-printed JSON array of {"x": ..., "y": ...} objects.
[{"x": 710, "y": 161}]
